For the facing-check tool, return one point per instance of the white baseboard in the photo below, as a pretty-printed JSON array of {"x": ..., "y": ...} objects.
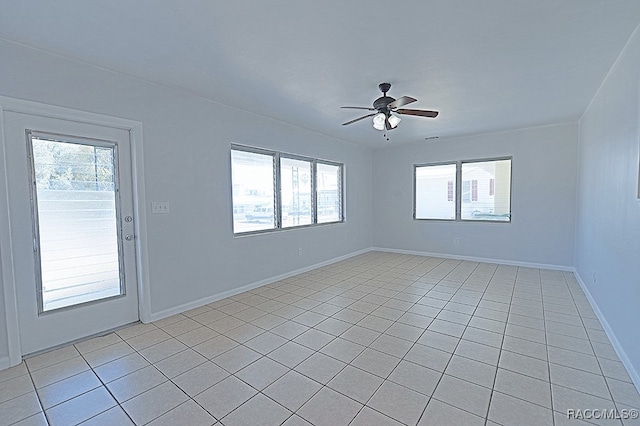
[
  {"x": 5, "y": 362},
  {"x": 635, "y": 377},
  {"x": 155, "y": 316},
  {"x": 633, "y": 373},
  {"x": 479, "y": 259}
]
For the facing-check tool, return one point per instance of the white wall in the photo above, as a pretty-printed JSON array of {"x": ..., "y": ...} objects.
[
  {"x": 542, "y": 204},
  {"x": 192, "y": 251},
  {"x": 194, "y": 255},
  {"x": 608, "y": 217},
  {"x": 4, "y": 345}
]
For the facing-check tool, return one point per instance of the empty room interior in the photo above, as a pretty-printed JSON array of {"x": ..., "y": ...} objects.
[{"x": 320, "y": 213}]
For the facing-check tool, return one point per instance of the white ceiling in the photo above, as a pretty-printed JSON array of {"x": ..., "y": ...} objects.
[{"x": 486, "y": 65}]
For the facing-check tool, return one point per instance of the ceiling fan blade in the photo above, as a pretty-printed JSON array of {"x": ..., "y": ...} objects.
[
  {"x": 352, "y": 107},
  {"x": 418, "y": 112},
  {"x": 358, "y": 119},
  {"x": 405, "y": 100}
]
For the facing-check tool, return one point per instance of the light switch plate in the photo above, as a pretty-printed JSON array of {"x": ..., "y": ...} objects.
[{"x": 160, "y": 207}]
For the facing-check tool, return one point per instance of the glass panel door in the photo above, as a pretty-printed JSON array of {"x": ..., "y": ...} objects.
[
  {"x": 71, "y": 208},
  {"x": 78, "y": 254}
]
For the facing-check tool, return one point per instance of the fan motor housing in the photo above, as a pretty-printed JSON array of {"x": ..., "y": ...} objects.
[{"x": 382, "y": 102}]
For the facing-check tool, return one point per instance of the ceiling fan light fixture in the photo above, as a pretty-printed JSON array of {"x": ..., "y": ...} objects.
[
  {"x": 394, "y": 120},
  {"x": 385, "y": 110},
  {"x": 378, "y": 121}
]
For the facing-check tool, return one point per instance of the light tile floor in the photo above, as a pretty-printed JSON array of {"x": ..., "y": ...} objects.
[{"x": 378, "y": 339}]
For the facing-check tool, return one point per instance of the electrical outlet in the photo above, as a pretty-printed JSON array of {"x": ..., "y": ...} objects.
[
  {"x": 456, "y": 240},
  {"x": 160, "y": 207},
  {"x": 299, "y": 251}
]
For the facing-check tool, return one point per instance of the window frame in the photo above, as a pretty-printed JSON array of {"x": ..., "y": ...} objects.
[
  {"x": 340, "y": 166},
  {"x": 276, "y": 178},
  {"x": 458, "y": 189},
  {"x": 311, "y": 162},
  {"x": 277, "y": 188}
]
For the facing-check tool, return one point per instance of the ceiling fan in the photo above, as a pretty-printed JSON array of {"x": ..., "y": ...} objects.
[{"x": 386, "y": 109}]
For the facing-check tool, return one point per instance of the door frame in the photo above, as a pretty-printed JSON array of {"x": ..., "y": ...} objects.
[{"x": 7, "y": 261}]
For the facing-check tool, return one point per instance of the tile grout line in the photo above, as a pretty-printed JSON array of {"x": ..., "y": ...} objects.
[
  {"x": 546, "y": 346},
  {"x": 486, "y": 417},
  {"x": 104, "y": 385},
  {"x": 380, "y": 279},
  {"x": 369, "y": 347},
  {"x": 401, "y": 359},
  {"x": 591, "y": 344},
  {"x": 456, "y": 347},
  {"x": 35, "y": 390},
  {"x": 292, "y": 369}
]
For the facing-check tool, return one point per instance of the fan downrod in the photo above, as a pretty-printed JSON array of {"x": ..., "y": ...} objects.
[{"x": 383, "y": 101}]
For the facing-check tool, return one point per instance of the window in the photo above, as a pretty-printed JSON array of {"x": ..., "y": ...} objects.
[
  {"x": 329, "y": 192},
  {"x": 295, "y": 190},
  {"x": 76, "y": 213},
  {"x": 433, "y": 198},
  {"x": 490, "y": 190},
  {"x": 252, "y": 176},
  {"x": 466, "y": 190},
  {"x": 272, "y": 190}
]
